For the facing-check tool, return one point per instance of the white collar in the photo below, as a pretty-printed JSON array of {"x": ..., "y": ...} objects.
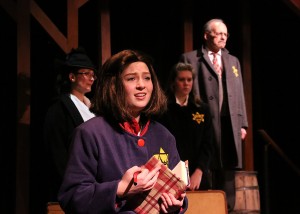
[
  {"x": 185, "y": 102},
  {"x": 218, "y": 53}
]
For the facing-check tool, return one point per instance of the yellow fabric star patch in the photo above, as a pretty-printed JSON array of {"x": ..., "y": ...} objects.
[
  {"x": 198, "y": 117},
  {"x": 162, "y": 156},
  {"x": 235, "y": 71}
]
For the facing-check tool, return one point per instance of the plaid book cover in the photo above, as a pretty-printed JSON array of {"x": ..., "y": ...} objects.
[{"x": 148, "y": 202}]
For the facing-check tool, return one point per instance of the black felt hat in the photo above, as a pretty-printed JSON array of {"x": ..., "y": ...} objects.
[{"x": 78, "y": 58}]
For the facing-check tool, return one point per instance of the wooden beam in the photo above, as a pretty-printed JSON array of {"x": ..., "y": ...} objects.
[
  {"x": 294, "y": 5},
  {"x": 48, "y": 25},
  {"x": 81, "y": 2},
  {"x": 65, "y": 43},
  {"x": 10, "y": 7}
]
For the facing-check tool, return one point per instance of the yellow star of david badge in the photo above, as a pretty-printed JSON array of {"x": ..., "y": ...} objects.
[
  {"x": 198, "y": 117},
  {"x": 235, "y": 71},
  {"x": 162, "y": 156}
]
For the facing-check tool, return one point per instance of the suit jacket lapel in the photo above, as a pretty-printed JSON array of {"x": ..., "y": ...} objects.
[
  {"x": 226, "y": 64},
  {"x": 208, "y": 61},
  {"x": 74, "y": 112}
]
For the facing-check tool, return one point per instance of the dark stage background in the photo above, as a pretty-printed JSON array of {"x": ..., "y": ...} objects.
[{"x": 156, "y": 29}]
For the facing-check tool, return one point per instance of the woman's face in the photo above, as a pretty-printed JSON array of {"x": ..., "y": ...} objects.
[
  {"x": 83, "y": 80},
  {"x": 138, "y": 86},
  {"x": 183, "y": 83}
]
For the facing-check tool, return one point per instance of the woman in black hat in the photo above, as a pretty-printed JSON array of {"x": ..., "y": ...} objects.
[{"x": 70, "y": 109}]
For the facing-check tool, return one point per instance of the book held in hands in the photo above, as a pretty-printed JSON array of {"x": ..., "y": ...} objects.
[
  {"x": 181, "y": 170},
  {"x": 174, "y": 182}
]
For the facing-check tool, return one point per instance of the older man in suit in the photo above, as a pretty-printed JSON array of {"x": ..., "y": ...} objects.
[{"x": 219, "y": 83}]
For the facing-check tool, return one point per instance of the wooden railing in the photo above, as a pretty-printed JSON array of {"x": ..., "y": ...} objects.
[{"x": 270, "y": 142}]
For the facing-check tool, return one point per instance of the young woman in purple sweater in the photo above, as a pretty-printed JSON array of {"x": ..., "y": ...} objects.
[{"x": 107, "y": 150}]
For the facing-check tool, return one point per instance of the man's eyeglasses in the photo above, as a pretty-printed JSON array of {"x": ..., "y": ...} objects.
[
  {"x": 88, "y": 74},
  {"x": 219, "y": 34}
]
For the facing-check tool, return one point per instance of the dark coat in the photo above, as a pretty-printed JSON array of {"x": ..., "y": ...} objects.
[
  {"x": 192, "y": 127},
  {"x": 61, "y": 119},
  {"x": 206, "y": 84}
]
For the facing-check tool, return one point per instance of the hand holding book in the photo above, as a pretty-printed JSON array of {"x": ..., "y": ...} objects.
[{"x": 167, "y": 182}]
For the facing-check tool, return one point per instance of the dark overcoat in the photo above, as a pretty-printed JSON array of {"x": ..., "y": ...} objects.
[
  {"x": 61, "y": 119},
  {"x": 207, "y": 86}
]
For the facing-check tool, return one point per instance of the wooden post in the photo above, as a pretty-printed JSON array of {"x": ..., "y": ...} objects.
[
  {"x": 187, "y": 27},
  {"x": 247, "y": 77},
  {"x": 23, "y": 128},
  {"x": 104, "y": 31}
]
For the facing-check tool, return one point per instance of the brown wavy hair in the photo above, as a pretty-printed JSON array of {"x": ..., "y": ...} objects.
[{"x": 109, "y": 99}]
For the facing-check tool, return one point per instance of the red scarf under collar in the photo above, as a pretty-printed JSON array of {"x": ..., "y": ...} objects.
[{"x": 134, "y": 127}]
